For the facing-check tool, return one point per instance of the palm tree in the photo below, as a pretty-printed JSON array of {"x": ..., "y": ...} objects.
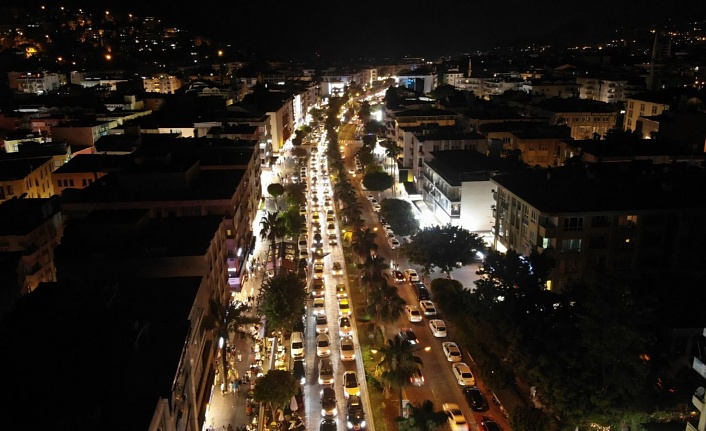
[
  {"x": 363, "y": 242},
  {"x": 398, "y": 365},
  {"x": 272, "y": 228},
  {"x": 423, "y": 417},
  {"x": 392, "y": 151},
  {"x": 385, "y": 305},
  {"x": 373, "y": 271}
]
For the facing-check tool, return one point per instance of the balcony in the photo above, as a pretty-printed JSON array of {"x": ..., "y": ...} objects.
[
  {"x": 547, "y": 230},
  {"x": 698, "y": 401}
]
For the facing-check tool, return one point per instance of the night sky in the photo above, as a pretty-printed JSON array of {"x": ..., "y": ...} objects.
[{"x": 368, "y": 28}]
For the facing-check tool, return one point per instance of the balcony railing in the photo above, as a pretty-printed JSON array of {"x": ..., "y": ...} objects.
[{"x": 547, "y": 230}]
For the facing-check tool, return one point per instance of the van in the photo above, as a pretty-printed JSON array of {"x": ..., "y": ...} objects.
[{"x": 296, "y": 345}]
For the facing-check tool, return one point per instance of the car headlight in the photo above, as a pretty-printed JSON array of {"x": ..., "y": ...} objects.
[
  {"x": 323, "y": 412},
  {"x": 350, "y": 424},
  {"x": 362, "y": 424},
  {"x": 303, "y": 380}
]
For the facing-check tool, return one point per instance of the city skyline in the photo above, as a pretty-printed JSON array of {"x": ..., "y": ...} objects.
[{"x": 391, "y": 29}]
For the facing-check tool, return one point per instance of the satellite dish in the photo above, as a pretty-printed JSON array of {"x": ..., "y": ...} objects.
[{"x": 700, "y": 392}]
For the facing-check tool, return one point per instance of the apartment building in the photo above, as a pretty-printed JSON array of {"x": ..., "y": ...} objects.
[
  {"x": 38, "y": 82},
  {"x": 617, "y": 219},
  {"x": 551, "y": 87},
  {"x": 84, "y": 169},
  {"x": 32, "y": 227},
  {"x": 645, "y": 105},
  {"x": 602, "y": 89},
  {"x": 165, "y": 84},
  {"x": 25, "y": 177},
  {"x": 456, "y": 185},
  {"x": 586, "y": 118}
]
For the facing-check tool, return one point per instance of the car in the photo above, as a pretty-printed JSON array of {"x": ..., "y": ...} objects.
[
  {"x": 408, "y": 335},
  {"x": 388, "y": 230},
  {"x": 411, "y": 275},
  {"x": 475, "y": 399},
  {"x": 323, "y": 346},
  {"x": 329, "y": 404},
  {"x": 318, "y": 270},
  {"x": 321, "y": 324},
  {"x": 344, "y": 326},
  {"x": 296, "y": 345},
  {"x": 370, "y": 197},
  {"x": 303, "y": 240},
  {"x": 399, "y": 277},
  {"x": 355, "y": 416},
  {"x": 451, "y": 350},
  {"x": 304, "y": 254},
  {"x": 328, "y": 425},
  {"x": 462, "y": 373},
  {"x": 341, "y": 291},
  {"x": 438, "y": 328},
  {"x": 421, "y": 290},
  {"x": 350, "y": 384},
  {"x": 331, "y": 229},
  {"x": 325, "y": 372},
  {"x": 374, "y": 201},
  {"x": 319, "y": 256},
  {"x": 377, "y": 208},
  {"x": 428, "y": 308},
  {"x": 299, "y": 371},
  {"x": 318, "y": 288},
  {"x": 344, "y": 308},
  {"x": 319, "y": 306},
  {"x": 329, "y": 218},
  {"x": 454, "y": 415},
  {"x": 302, "y": 210},
  {"x": 413, "y": 313},
  {"x": 347, "y": 349},
  {"x": 390, "y": 235},
  {"x": 487, "y": 423},
  {"x": 332, "y": 239},
  {"x": 315, "y": 215},
  {"x": 337, "y": 268},
  {"x": 417, "y": 378}
]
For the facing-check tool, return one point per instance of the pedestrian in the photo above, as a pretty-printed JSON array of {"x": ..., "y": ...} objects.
[
  {"x": 230, "y": 427},
  {"x": 533, "y": 392}
]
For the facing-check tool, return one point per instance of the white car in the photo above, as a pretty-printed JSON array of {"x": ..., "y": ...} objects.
[
  {"x": 462, "y": 373},
  {"x": 323, "y": 346},
  {"x": 377, "y": 208},
  {"x": 345, "y": 328},
  {"x": 438, "y": 328},
  {"x": 321, "y": 324},
  {"x": 413, "y": 313},
  {"x": 347, "y": 349},
  {"x": 451, "y": 350},
  {"x": 318, "y": 307},
  {"x": 428, "y": 308},
  {"x": 455, "y": 417},
  {"x": 325, "y": 372},
  {"x": 350, "y": 384},
  {"x": 394, "y": 243},
  {"x": 411, "y": 275}
]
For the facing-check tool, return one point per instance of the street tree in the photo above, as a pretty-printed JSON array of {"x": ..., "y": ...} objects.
[
  {"x": 276, "y": 389},
  {"x": 271, "y": 228},
  {"x": 372, "y": 272},
  {"x": 377, "y": 180},
  {"x": 444, "y": 247},
  {"x": 281, "y": 301},
  {"x": 384, "y": 305},
  {"x": 363, "y": 243},
  {"x": 292, "y": 222},
  {"x": 364, "y": 112},
  {"x": 295, "y": 194},
  {"x": 398, "y": 213},
  {"x": 398, "y": 365},
  {"x": 275, "y": 190}
]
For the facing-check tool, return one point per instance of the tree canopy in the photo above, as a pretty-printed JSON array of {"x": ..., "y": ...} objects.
[
  {"x": 276, "y": 388},
  {"x": 281, "y": 301},
  {"x": 444, "y": 247},
  {"x": 398, "y": 213},
  {"x": 377, "y": 180}
]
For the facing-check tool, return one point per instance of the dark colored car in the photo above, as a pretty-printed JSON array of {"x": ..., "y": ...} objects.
[
  {"x": 475, "y": 398},
  {"x": 421, "y": 290},
  {"x": 408, "y": 335},
  {"x": 355, "y": 417},
  {"x": 327, "y": 425},
  {"x": 328, "y": 402},
  {"x": 299, "y": 371},
  {"x": 488, "y": 424},
  {"x": 399, "y": 277}
]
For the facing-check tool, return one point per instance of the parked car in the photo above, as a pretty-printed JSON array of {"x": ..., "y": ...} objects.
[
  {"x": 318, "y": 306},
  {"x": 462, "y": 373},
  {"x": 475, "y": 399},
  {"x": 451, "y": 350},
  {"x": 399, "y": 277},
  {"x": 299, "y": 371},
  {"x": 394, "y": 243},
  {"x": 328, "y": 425},
  {"x": 428, "y": 308},
  {"x": 413, "y": 313},
  {"x": 487, "y": 423},
  {"x": 341, "y": 291},
  {"x": 438, "y": 328},
  {"x": 411, "y": 275},
  {"x": 344, "y": 326},
  {"x": 421, "y": 290}
]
